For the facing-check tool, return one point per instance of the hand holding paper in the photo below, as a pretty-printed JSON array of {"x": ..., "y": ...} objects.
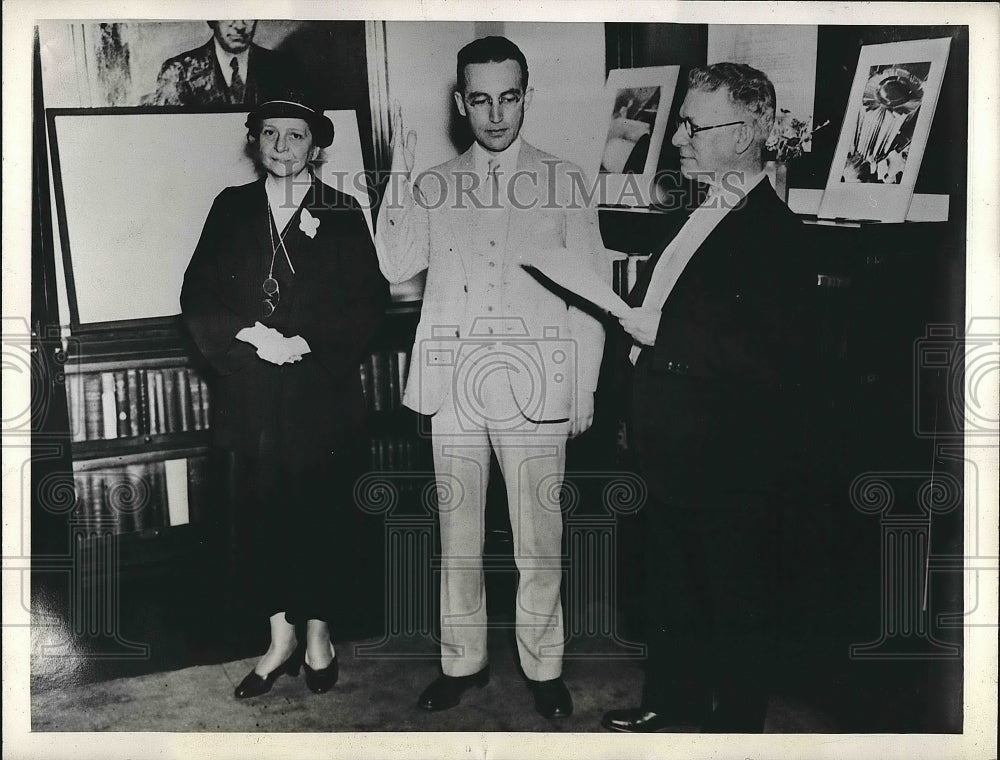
[
  {"x": 563, "y": 267},
  {"x": 642, "y": 324}
]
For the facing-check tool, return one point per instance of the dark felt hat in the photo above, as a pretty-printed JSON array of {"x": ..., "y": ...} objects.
[{"x": 293, "y": 105}]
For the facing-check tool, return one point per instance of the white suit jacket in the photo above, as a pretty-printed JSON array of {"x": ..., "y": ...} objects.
[{"x": 552, "y": 350}]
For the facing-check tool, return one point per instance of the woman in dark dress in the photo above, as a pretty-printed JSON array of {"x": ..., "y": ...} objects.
[{"x": 282, "y": 295}]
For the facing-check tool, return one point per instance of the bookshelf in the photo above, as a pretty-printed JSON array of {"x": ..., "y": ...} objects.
[
  {"x": 139, "y": 407},
  {"x": 139, "y": 418},
  {"x": 397, "y": 449}
]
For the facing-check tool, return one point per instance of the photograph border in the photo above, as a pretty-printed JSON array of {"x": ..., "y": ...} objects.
[
  {"x": 664, "y": 77},
  {"x": 978, "y": 738},
  {"x": 873, "y": 201}
]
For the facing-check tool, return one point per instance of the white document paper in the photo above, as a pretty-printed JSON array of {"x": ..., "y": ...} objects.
[{"x": 563, "y": 268}]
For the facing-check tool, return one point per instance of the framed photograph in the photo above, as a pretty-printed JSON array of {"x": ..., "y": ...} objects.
[
  {"x": 882, "y": 140},
  {"x": 637, "y": 103},
  {"x": 127, "y": 243}
]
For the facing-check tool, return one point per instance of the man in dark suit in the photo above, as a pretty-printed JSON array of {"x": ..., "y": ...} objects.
[
  {"x": 227, "y": 70},
  {"x": 721, "y": 333}
]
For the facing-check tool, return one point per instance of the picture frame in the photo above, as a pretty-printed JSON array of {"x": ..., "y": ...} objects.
[
  {"x": 884, "y": 133},
  {"x": 637, "y": 102},
  {"x": 126, "y": 244}
]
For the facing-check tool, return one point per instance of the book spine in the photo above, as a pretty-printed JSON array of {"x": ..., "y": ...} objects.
[
  {"x": 75, "y": 405},
  {"x": 158, "y": 490},
  {"x": 140, "y": 506},
  {"x": 176, "y": 475},
  {"x": 206, "y": 403},
  {"x": 92, "y": 407},
  {"x": 194, "y": 383},
  {"x": 390, "y": 454},
  {"x": 184, "y": 400},
  {"x": 118, "y": 490},
  {"x": 170, "y": 402},
  {"x": 132, "y": 387},
  {"x": 392, "y": 381},
  {"x": 152, "y": 422},
  {"x": 198, "y": 485},
  {"x": 403, "y": 367},
  {"x": 380, "y": 384},
  {"x": 366, "y": 383},
  {"x": 143, "y": 402},
  {"x": 121, "y": 403},
  {"x": 81, "y": 486},
  {"x": 160, "y": 402},
  {"x": 109, "y": 411}
]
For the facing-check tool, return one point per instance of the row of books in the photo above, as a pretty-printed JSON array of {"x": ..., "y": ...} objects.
[
  {"x": 625, "y": 272},
  {"x": 133, "y": 402},
  {"x": 142, "y": 496},
  {"x": 398, "y": 453},
  {"x": 383, "y": 378}
]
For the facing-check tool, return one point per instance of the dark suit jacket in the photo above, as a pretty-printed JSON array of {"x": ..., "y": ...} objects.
[
  {"x": 334, "y": 300},
  {"x": 718, "y": 397},
  {"x": 194, "y": 78}
]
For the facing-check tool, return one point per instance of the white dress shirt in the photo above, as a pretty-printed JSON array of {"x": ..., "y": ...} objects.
[
  {"x": 225, "y": 62},
  {"x": 505, "y": 161}
]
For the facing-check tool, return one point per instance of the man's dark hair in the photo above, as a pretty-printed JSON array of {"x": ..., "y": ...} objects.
[
  {"x": 491, "y": 50},
  {"x": 747, "y": 87}
]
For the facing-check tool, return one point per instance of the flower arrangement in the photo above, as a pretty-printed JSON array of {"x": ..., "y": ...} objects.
[{"x": 790, "y": 136}]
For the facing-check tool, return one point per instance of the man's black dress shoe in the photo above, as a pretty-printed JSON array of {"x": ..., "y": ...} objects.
[
  {"x": 254, "y": 685},
  {"x": 446, "y": 691},
  {"x": 552, "y": 698},
  {"x": 639, "y": 720},
  {"x": 322, "y": 680}
]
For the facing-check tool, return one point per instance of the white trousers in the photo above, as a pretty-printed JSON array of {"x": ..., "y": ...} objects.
[{"x": 532, "y": 458}]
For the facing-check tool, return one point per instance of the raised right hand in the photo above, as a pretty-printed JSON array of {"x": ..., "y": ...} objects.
[{"x": 403, "y": 151}]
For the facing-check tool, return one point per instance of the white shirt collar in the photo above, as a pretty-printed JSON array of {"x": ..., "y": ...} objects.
[
  {"x": 731, "y": 185},
  {"x": 281, "y": 205},
  {"x": 224, "y": 59},
  {"x": 507, "y": 158}
]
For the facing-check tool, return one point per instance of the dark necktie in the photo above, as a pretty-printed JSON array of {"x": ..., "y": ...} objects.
[{"x": 236, "y": 84}]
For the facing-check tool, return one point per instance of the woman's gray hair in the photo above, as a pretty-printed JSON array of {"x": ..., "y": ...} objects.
[{"x": 747, "y": 87}]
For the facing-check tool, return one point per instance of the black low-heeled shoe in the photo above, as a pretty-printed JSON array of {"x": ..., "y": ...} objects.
[
  {"x": 254, "y": 685},
  {"x": 322, "y": 680}
]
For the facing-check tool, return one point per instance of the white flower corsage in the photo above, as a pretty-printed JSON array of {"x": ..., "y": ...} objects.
[{"x": 308, "y": 223}]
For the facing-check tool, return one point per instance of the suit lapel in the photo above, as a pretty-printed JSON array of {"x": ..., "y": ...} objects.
[
  {"x": 723, "y": 239},
  {"x": 218, "y": 78},
  {"x": 250, "y": 75},
  {"x": 638, "y": 292}
]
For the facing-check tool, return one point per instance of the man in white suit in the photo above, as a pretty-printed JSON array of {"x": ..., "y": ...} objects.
[{"x": 499, "y": 359}]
